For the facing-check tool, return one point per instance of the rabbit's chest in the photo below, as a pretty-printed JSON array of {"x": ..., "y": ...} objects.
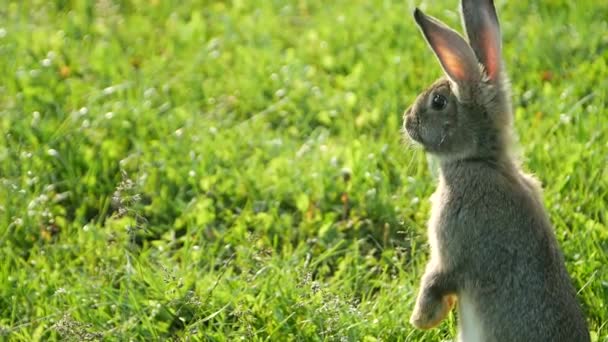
[
  {"x": 470, "y": 325},
  {"x": 439, "y": 221}
]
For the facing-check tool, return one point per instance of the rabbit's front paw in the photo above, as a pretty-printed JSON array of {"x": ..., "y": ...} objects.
[{"x": 429, "y": 312}]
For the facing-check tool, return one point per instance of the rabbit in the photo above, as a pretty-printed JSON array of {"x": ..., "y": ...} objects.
[{"x": 494, "y": 254}]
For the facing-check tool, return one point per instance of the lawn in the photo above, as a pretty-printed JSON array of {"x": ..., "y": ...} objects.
[{"x": 225, "y": 170}]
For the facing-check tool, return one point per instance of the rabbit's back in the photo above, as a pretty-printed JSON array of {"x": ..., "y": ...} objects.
[{"x": 493, "y": 226}]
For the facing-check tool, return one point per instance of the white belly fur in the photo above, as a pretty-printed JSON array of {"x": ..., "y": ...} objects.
[{"x": 470, "y": 329}]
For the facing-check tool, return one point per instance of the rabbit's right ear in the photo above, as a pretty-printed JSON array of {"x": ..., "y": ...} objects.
[
  {"x": 481, "y": 23},
  {"x": 454, "y": 53}
]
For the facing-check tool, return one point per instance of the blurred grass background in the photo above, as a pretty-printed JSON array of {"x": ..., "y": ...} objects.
[{"x": 227, "y": 170}]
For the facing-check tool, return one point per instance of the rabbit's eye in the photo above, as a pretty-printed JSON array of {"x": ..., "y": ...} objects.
[{"x": 439, "y": 102}]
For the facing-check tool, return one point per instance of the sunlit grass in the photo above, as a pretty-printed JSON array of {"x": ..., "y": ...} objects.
[{"x": 228, "y": 170}]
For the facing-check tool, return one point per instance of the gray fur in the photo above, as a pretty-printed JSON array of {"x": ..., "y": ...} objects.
[{"x": 493, "y": 248}]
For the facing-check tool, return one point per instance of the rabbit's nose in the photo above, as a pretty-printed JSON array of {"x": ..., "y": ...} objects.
[
  {"x": 411, "y": 121},
  {"x": 412, "y": 127},
  {"x": 407, "y": 112}
]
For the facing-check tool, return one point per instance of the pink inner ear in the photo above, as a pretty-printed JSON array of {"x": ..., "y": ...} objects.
[
  {"x": 492, "y": 57},
  {"x": 453, "y": 63},
  {"x": 453, "y": 59},
  {"x": 454, "y": 53}
]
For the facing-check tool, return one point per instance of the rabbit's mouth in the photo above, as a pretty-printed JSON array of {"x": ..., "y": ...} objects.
[{"x": 411, "y": 127}]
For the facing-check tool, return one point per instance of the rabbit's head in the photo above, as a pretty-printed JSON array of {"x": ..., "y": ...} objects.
[{"x": 466, "y": 113}]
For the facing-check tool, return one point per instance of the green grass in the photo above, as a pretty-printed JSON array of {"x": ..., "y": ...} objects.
[{"x": 230, "y": 170}]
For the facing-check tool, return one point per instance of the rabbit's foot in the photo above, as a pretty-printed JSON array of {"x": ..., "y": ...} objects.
[{"x": 429, "y": 312}]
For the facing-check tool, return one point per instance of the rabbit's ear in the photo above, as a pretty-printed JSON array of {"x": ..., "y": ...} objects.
[
  {"x": 454, "y": 53},
  {"x": 481, "y": 23}
]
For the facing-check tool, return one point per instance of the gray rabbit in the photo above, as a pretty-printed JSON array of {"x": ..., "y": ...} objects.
[{"x": 493, "y": 249}]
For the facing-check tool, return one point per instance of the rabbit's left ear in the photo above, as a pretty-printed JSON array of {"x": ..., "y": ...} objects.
[
  {"x": 454, "y": 53},
  {"x": 481, "y": 23}
]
